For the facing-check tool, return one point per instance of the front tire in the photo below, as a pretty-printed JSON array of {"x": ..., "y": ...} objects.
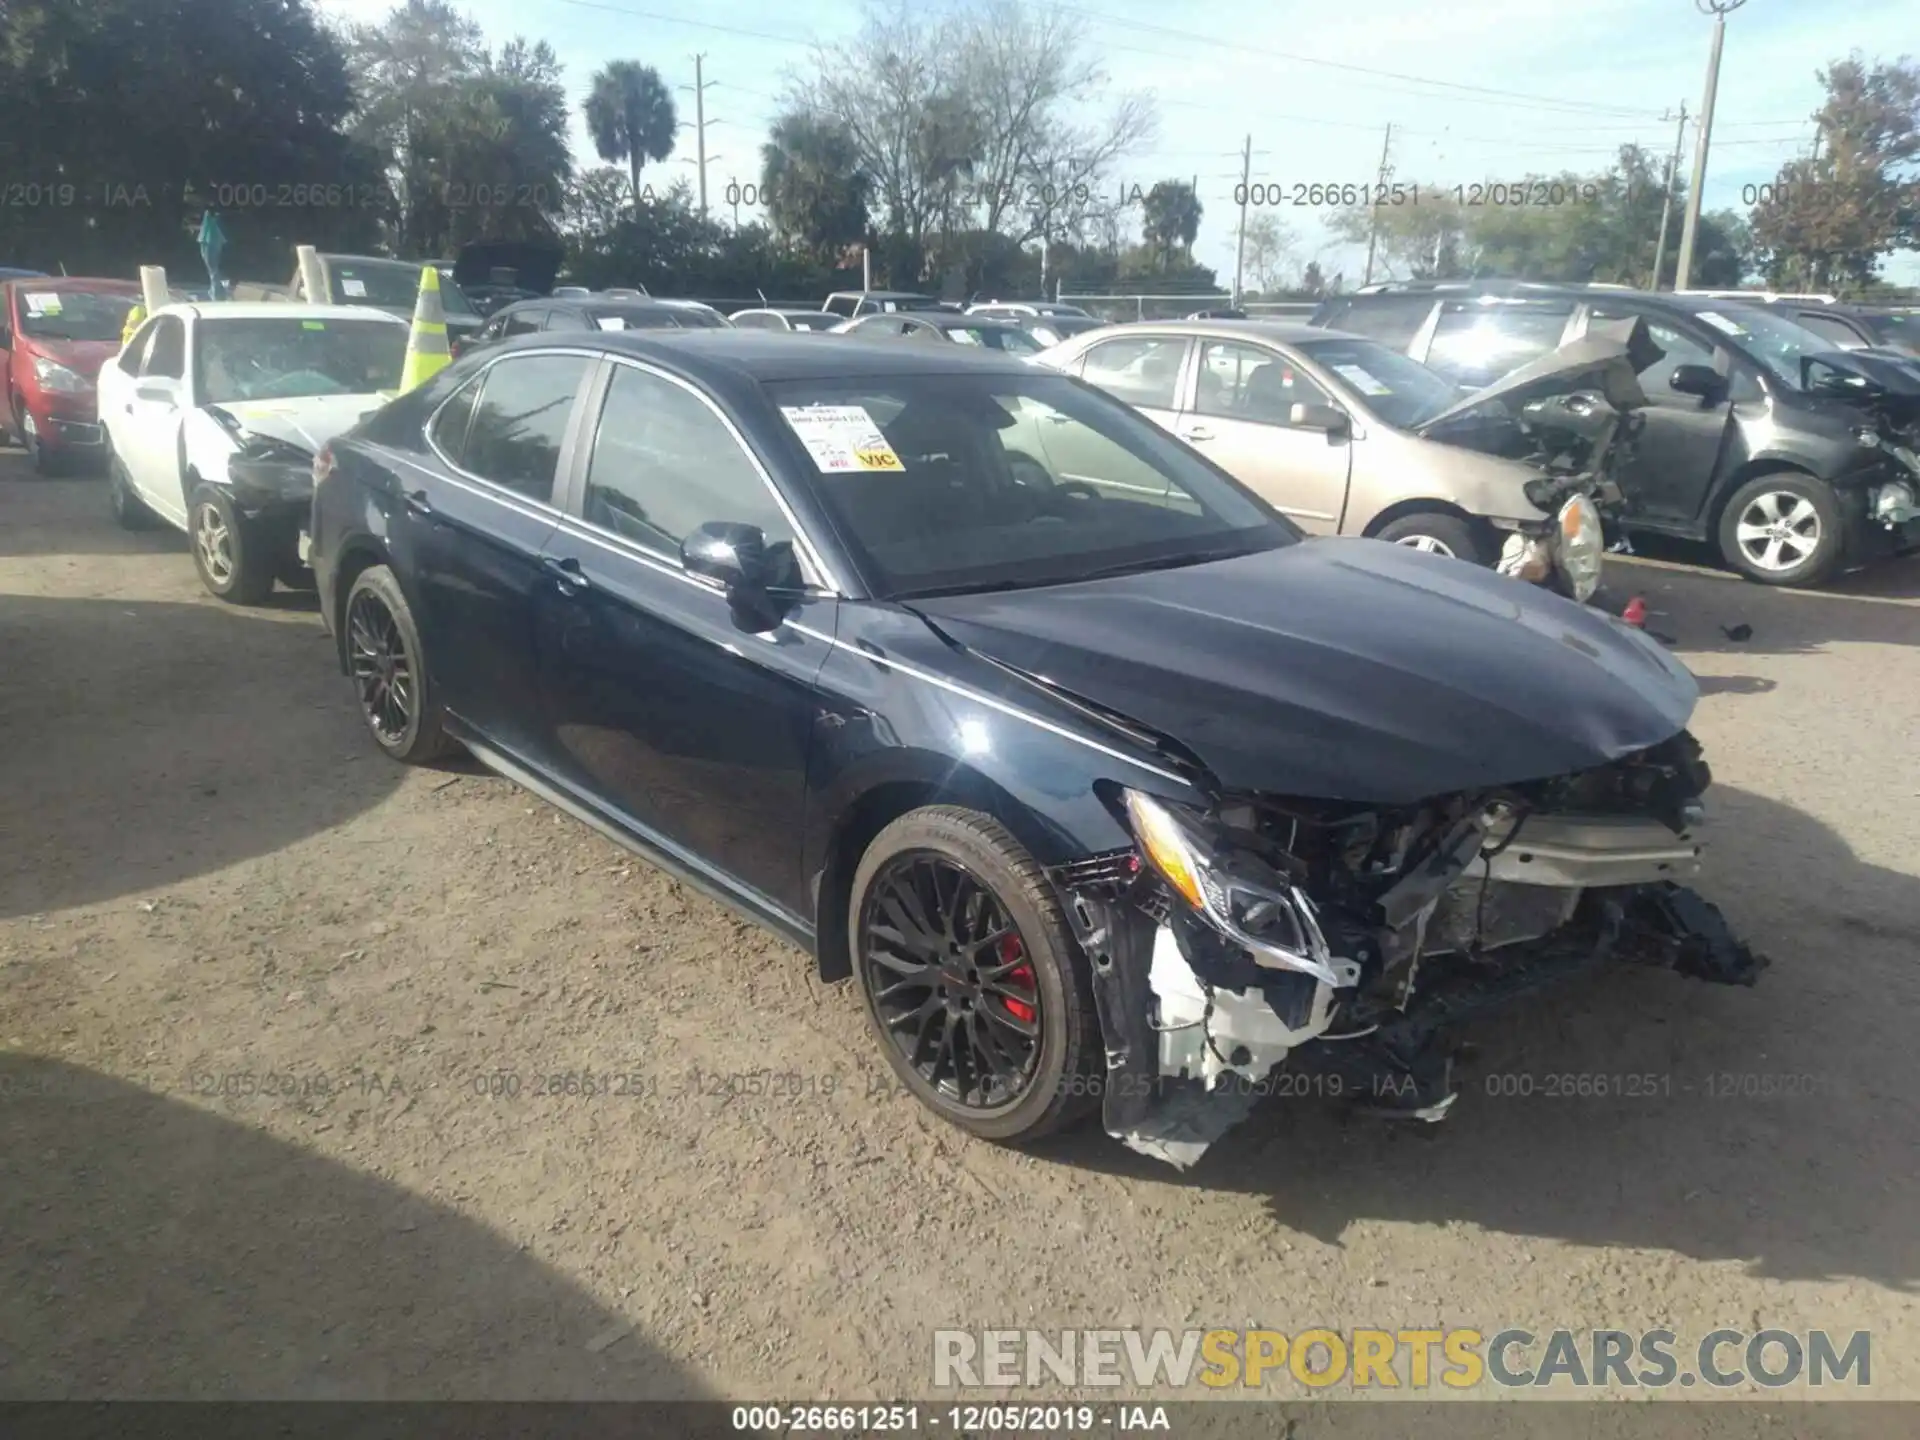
[
  {"x": 398, "y": 699},
  {"x": 1783, "y": 529},
  {"x": 234, "y": 558},
  {"x": 1437, "y": 533},
  {"x": 974, "y": 985},
  {"x": 130, "y": 512}
]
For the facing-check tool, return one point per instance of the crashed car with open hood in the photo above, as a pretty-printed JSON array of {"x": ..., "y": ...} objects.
[
  {"x": 1108, "y": 795},
  {"x": 1348, "y": 437},
  {"x": 215, "y": 413}
]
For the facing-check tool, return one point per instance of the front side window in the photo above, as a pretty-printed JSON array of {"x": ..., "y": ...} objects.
[
  {"x": 1245, "y": 382},
  {"x": 525, "y": 402},
  {"x": 1838, "y": 331},
  {"x": 965, "y": 482},
  {"x": 167, "y": 355},
  {"x": 1143, "y": 370},
  {"x": 276, "y": 359},
  {"x": 1681, "y": 349},
  {"x": 664, "y": 464}
]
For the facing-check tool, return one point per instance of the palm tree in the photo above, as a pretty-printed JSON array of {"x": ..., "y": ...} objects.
[
  {"x": 630, "y": 116},
  {"x": 815, "y": 190}
]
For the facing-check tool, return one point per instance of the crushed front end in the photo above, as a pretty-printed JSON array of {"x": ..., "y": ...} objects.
[{"x": 1263, "y": 932}]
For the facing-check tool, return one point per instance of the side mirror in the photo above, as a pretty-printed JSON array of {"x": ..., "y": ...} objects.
[
  {"x": 160, "y": 392},
  {"x": 737, "y": 557},
  {"x": 1701, "y": 380},
  {"x": 1330, "y": 418}
]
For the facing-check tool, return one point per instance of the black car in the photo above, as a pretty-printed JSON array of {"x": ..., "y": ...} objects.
[
  {"x": 1121, "y": 790},
  {"x": 948, "y": 326},
  {"x": 1796, "y": 457},
  {"x": 597, "y": 313},
  {"x": 786, "y": 318}
]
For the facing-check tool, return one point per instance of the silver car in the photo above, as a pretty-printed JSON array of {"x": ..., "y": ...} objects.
[{"x": 1348, "y": 437}]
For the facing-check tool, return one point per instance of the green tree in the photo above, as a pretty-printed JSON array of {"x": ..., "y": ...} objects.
[
  {"x": 814, "y": 189},
  {"x": 1827, "y": 220},
  {"x": 1266, "y": 251},
  {"x": 1170, "y": 220},
  {"x": 631, "y": 117}
]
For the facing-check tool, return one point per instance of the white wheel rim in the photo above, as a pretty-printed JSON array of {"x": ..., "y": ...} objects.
[
  {"x": 27, "y": 427},
  {"x": 1778, "y": 530},
  {"x": 1428, "y": 544},
  {"x": 215, "y": 544}
]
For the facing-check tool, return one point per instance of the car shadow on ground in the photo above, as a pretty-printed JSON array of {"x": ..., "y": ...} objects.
[
  {"x": 1774, "y": 1127},
  {"x": 68, "y": 515},
  {"x": 156, "y": 1249},
  {"x": 144, "y": 742}
]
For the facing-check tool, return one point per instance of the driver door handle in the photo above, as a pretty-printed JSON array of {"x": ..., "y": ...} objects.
[
  {"x": 418, "y": 502},
  {"x": 1196, "y": 432},
  {"x": 566, "y": 573}
]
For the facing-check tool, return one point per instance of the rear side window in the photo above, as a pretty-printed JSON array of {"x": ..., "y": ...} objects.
[
  {"x": 1391, "y": 319},
  {"x": 750, "y": 321},
  {"x": 1143, "y": 371},
  {"x": 1476, "y": 344},
  {"x": 565, "y": 320},
  {"x": 448, "y": 429},
  {"x": 129, "y": 361},
  {"x": 524, "y": 322},
  {"x": 522, "y": 413}
]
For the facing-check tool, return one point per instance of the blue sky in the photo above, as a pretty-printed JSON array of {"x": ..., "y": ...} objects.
[{"x": 1475, "y": 89}]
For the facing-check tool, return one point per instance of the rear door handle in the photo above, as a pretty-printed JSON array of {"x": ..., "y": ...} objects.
[
  {"x": 566, "y": 573},
  {"x": 418, "y": 502},
  {"x": 1197, "y": 432}
]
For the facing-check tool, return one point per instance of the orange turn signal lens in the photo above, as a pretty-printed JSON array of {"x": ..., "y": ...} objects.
[{"x": 1166, "y": 846}]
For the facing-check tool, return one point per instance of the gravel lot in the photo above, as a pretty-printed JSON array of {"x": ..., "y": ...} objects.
[{"x": 208, "y": 873}]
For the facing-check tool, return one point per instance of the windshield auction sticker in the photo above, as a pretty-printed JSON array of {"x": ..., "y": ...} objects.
[
  {"x": 841, "y": 437},
  {"x": 39, "y": 302},
  {"x": 1361, "y": 380}
]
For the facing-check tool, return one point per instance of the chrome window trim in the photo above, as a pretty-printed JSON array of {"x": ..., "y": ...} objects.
[
  {"x": 810, "y": 554},
  {"x": 543, "y": 509}
]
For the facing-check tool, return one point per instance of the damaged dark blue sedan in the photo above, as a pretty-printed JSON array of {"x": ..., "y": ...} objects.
[{"x": 1109, "y": 789}]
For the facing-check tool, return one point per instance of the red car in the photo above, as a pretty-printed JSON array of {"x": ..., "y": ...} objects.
[{"x": 56, "y": 332}]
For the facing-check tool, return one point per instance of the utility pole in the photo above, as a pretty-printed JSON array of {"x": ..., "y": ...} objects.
[
  {"x": 1719, "y": 9},
  {"x": 699, "y": 88},
  {"x": 1373, "y": 229},
  {"x": 1666, "y": 205},
  {"x": 1240, "y": 244}
]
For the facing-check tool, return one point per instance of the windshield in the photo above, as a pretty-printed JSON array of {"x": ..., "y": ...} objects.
[
  {"x": 1901, "y": 332},
  {"x": 944, "y": 483},
  {"x": 74, "y": 314},
  {"x": 995, "y": 337},
  {"x": 389, "y": 285},
  {"x": 1771, "y": 340},
  {"x": 274, "y": 359},
  {"x": 1402, "y": 392}
]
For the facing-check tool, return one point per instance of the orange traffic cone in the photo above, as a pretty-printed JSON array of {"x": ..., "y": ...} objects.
[{"x": 427, "y": 352}]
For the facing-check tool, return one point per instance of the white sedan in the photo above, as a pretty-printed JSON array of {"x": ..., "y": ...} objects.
[{"x": 214, "y": 413}]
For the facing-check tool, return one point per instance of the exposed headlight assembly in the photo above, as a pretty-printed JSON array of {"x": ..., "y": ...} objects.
[
  {"x": 1275, "y": 924},
  {"x": 1894, "y": 503},
  {"x": 1581, "y": 547}
]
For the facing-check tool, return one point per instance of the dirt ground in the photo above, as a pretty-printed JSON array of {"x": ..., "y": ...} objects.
[{"x": 210, "y": 881}]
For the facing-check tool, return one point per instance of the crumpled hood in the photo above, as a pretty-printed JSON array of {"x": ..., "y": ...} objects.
[
  {"x": 1608, "y": 358},
  {"x": 1342, "y": 669},
  {"x": 310, "y": 421}
]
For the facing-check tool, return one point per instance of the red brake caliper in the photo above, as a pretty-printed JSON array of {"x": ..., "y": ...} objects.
[{"x": 1022, "y": 974}]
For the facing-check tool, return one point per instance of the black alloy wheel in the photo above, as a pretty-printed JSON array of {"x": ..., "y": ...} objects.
[
  {"x": 390, "y": 677},
  {"x": 975, "y": 987},
  {"x": 951, "y": 980}
]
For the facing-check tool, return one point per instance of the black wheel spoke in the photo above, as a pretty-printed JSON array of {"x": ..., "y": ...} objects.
[{"x": 951, "y": 980}]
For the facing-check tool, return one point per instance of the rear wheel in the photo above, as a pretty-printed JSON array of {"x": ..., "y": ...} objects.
[
  {"x": 233, "y": 555},
  {"x": 974, "y": 984},
  {"x": 1437, "y": 533},
  {"x": 390, "y": 675},
  {"x": 1783, "y": 529}
]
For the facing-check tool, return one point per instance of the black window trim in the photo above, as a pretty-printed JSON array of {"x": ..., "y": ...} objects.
[
  {"x": 569, "y": 437},
  {"x": 822, "y": 579}
]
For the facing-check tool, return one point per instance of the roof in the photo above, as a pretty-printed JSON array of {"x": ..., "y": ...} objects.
[
  {"x": 29, "y": 280},
  {"x": 886, "y": 294},
  {"x": 277, "y": 310},
  {"x": 1284, "y": 332},
  {"x": 716, "y": 356}
]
